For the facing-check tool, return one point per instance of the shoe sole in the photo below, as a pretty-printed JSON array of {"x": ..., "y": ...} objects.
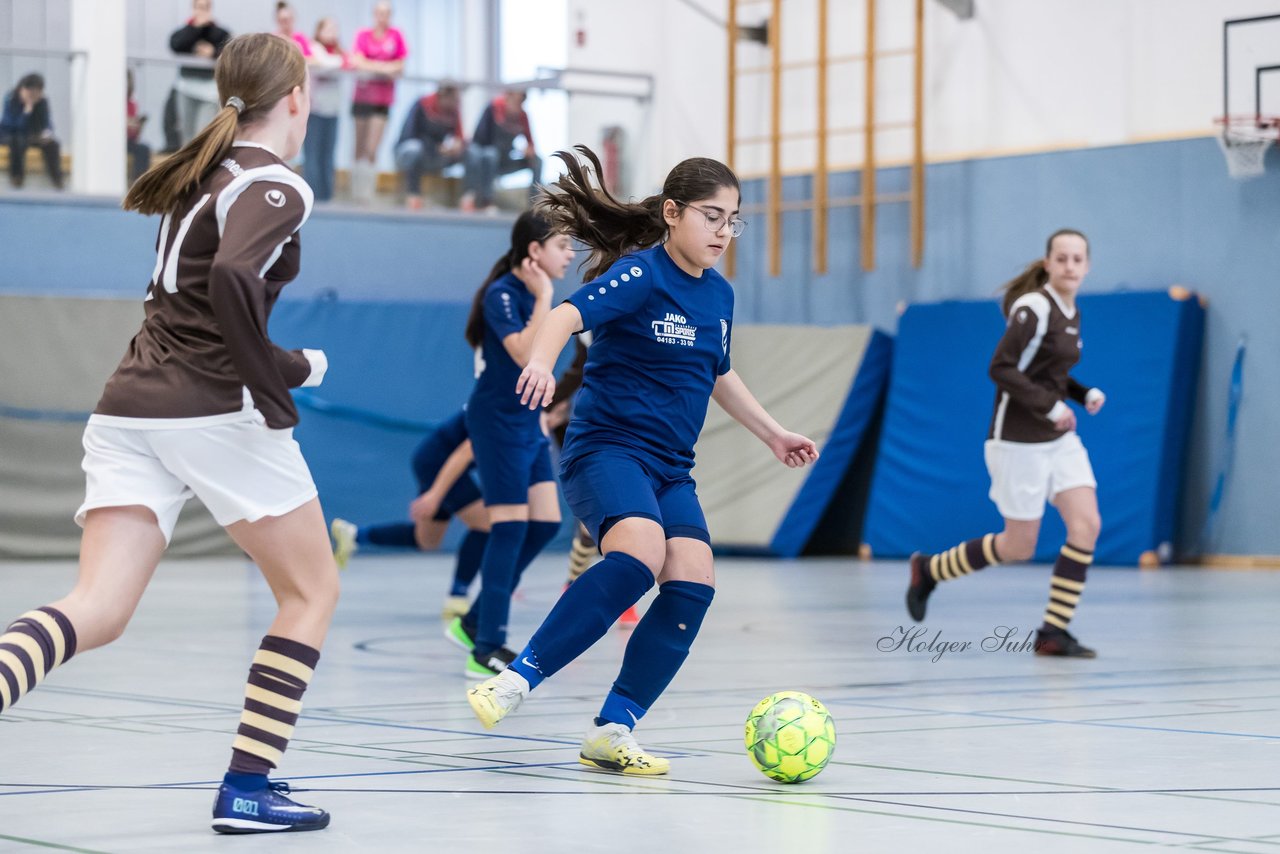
[
  {"x": 1089, "y": 654},
  {"x": 618, "y": 768},
  {"x": 453, "y": 639},
  {"x": 244, "y": 825}
]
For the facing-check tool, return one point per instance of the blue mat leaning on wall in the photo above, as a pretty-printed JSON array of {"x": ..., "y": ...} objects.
[
  {"x": 930, "y": 487},
  {"x": 396, "y": 369}
]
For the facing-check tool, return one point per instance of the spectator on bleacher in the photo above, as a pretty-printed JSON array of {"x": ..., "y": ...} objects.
[
  {"x": 197, "y": 93},
  {"x": 432, "y": 140},
  {"x": 326, "y": 58},
  {"x": 492, "y": 150},
  {"x": 26, "y": 122},
  {"x": 139, "y": 151},
  {"x": 378, "y": 53},
  {"x": 285, "y": 20}
]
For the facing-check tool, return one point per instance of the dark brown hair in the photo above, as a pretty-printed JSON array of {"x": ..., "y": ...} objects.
[
  {"x": 1035, "y": 276},
  {"x": 259, "y": 69},
  {"x": 528, "y": 228},
  {"x": 586, "y": 211}
]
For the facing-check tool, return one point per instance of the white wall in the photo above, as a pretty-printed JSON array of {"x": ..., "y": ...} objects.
[
  {"x": 1019, "y": 76},
  {"x": 685, "y": 54}
]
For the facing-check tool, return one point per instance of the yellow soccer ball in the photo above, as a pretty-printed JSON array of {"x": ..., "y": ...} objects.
[{"x": 790, "y": 736}]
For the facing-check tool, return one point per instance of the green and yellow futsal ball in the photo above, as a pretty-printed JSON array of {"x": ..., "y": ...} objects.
[{"x": 790, "y": 736}]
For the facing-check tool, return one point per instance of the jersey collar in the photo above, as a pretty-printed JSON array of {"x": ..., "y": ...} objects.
[
  {"x": 1053, "y": 295},
  {"x": 244, "y": 143}
]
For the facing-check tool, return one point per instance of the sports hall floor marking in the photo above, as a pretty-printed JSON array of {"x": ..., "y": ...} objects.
[{"x": 40, "y": 843}]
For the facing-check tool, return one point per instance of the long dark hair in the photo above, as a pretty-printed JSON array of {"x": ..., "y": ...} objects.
[
  {"x": 1035, "y": 276},
  {"x": 259, "y": 69},
  {"x": 529, "y": 228},
  {"x": 582, "y": 208}
]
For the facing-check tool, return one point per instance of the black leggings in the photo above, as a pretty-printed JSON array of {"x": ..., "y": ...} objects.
[{"x": 19, "y": 143}]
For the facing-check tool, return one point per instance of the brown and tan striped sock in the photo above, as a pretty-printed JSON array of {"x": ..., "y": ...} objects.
[
  {"x": 582, "y": 554},
  {"x": 278, "y": 678},
  {"x": 30, "y": 647},
  {"x": 964, "y": 559},
  {"x": 1066, "y": 585}
]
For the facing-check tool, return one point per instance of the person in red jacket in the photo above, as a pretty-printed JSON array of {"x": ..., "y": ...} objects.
[
  {"x": 431, "y": 140},
  {"x": 492, "y": 151}
]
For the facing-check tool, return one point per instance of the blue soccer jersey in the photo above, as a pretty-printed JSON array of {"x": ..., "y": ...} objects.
[
  {"x": 508, "y": 305},
  {"x": 660, "y": 340}
]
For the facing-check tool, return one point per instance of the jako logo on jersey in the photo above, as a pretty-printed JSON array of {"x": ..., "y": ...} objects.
[
  {"x": 675, "y": 329},
  {"x": 275, "y": 198},
  {"x": 724, "y": 335},
  {"x": 506, "y": 306}
]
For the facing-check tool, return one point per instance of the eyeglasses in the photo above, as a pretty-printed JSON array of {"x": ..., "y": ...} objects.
[{"x": 716, "y": 220}]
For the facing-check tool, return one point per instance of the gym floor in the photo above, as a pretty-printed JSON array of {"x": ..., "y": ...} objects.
[{"x": 1169, "y": 738}]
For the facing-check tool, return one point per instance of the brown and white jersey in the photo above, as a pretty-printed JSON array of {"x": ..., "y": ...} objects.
[
  {"x": 1031, "y": 368},
  {"x": 202, "y": 356}
]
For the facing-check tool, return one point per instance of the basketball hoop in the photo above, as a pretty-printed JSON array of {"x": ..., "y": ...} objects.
[{"x": 1244, "y": 141}]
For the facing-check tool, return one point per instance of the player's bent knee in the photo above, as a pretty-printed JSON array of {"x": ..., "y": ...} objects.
[
  {"x": 1085, "y": 528},
  {"x": 1017, "y": 551}
]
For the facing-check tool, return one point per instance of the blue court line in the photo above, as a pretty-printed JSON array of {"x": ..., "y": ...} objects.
[
  {"x": 1207, "y": 838},
  {"x": 837, "y": 701},
  {"x": 40, "y": 843},
  {"x": 57, "y": 788},
  {"x": 212, "y": 707},
  {"x": 1096, "y": 723}
]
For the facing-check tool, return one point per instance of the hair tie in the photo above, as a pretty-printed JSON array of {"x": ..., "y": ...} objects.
[{"x": 235, "y": 103}]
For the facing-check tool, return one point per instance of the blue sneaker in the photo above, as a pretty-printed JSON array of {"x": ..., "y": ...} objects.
[{"x": 264, "y": 810}]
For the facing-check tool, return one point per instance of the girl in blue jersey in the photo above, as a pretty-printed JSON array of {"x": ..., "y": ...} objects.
[
  {"x": 662, "y": 320},
  {"x": 443, "y": 465},
  {"x": 512, "y": 453}
]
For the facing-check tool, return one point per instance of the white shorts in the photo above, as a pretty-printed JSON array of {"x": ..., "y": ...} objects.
[
  {"x": 240, "y": 471},
  {"x": 1026, "y": 474}
]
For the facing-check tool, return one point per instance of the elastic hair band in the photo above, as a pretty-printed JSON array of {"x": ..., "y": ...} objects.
[{"x": 235, "y": 102}]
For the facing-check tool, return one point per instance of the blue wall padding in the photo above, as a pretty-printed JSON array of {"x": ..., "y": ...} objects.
[
  {"x": 847, "y": 435},
  {"x": 930, "y": 487},
  {"x": 395, "y": 370}
]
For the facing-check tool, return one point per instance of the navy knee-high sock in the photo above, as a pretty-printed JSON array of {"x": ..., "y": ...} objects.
[
  {"x": 658, "y": 646},
  {"x": 467, "y": 566},
  {"x": 398, "y": 534},
  {"x": 583, "y": 614},
  {"x": 497, "y": 573},
  {"x": 540, "y": 534},
  {"x": 535, "y": 540}
]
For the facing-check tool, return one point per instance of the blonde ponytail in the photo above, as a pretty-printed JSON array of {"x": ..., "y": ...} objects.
[{"x": 253, "y": 73}]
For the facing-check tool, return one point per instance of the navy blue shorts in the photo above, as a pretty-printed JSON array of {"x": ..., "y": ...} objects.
[
  {"x": 605, "y": 487},
  {"x": 428, "y": 459},
  {"x": 508, "y": 468}
]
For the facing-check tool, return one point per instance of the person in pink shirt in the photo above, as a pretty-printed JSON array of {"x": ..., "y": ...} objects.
[
  {"x": 285, "y": 20},
  {"x": 378, "y": 54}
]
